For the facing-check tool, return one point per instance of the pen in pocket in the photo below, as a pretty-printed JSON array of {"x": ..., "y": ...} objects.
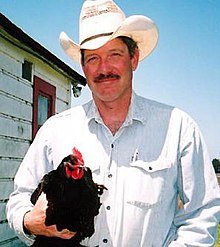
[{"x": 134, "y": 157}]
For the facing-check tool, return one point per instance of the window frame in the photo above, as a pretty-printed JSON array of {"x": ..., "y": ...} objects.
[{"x": 41, "y": 87}]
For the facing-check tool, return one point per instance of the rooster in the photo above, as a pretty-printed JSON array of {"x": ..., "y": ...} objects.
[{"x": 73, "y": 201}]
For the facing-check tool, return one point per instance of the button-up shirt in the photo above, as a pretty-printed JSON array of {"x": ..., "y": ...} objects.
[{"x": 156, "y": 158}]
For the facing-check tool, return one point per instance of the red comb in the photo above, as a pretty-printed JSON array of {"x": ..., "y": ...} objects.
[{"x": 78, "y": 155}]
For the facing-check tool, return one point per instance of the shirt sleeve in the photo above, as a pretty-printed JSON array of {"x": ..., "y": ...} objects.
[
  {"x": 196, "y": 223},
  {"x": 35, "y": 164}
]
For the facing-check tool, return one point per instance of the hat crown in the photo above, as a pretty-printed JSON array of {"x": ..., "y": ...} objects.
[
  {"x": 101, "y": 21},
  {"x": 99, "y": 17}
]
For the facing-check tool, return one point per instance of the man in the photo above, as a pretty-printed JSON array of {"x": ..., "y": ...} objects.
[{"x": 147, "y": 154}]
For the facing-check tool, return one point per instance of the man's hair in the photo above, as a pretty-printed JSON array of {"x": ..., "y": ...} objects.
[{"x": 130, "y": 43}]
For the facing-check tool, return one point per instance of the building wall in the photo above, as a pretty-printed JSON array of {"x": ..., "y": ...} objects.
[{"x": 16, "y": 101}]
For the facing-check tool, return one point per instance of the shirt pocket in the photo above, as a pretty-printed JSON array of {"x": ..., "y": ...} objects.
[{"x": 146, "y": 182}]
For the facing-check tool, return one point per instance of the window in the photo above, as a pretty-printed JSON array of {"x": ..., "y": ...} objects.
[
  {"x": 27, "y": 70},
  {"x": 44, "y": 103},
  {"x": 43, "y": 109}
]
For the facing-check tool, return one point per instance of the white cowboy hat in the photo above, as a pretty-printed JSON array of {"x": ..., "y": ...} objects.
[{"x": 102, "y": 21}]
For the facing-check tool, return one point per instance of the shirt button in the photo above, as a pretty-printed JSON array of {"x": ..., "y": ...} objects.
[
  {"x": 112, "y": 145},
  {"x": 108, "y": 207},
  {"x": 105, "y": 240},
  {"x": 109, "y": 175}
]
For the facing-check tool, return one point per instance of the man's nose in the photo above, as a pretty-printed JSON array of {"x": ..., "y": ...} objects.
[{"x": 104, "y": 66}]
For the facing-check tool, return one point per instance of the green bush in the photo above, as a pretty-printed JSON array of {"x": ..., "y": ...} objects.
[{"x": 217, "y": 244}]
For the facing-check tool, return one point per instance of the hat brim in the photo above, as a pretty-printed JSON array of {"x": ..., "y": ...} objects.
[{"x": 140, "y": 28}]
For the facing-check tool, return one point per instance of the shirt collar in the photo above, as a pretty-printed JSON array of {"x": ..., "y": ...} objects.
[
  {"x": 136, "y": 110},
  {"x": 92, "y": 111}
]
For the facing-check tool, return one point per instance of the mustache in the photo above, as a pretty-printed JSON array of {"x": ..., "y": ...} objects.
[{"x": 101, "y": 77}]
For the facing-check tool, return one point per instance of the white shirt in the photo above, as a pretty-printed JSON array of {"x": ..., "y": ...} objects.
[{"x": 157, "y": 155}]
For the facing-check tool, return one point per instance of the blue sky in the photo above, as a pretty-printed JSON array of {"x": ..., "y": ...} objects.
[{"x": 184, "y": 69}]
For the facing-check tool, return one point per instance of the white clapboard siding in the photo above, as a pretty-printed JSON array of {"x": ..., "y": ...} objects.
[
  {"x": 64, "y": 95},
  {"x": 14, "y": 107},
  {"x": 6, "y": 185},
  {"x": 12, "y": 242},
  {"x": 16, "y": 128},
  {"x": 13, "y": 148},
  {"x": 16, "y": 86},
  {"x": 61, "y": 105},
  {"x": 15, "y": 243},
  {"x": 9, "y": 167},
  {"x": 9, "y": 62},
  {"x": 2, "y": 211},
  {"x": 6, "y": 233}
]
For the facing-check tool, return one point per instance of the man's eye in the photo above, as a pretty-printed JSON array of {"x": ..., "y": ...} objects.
[
  {"x": 115, "y": 54},
  {"x": 91, "y": 59}
]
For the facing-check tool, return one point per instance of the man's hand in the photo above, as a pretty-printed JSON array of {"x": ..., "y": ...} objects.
[{"x": 34, "y": 221}]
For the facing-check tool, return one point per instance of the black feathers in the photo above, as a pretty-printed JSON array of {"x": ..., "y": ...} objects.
[{"x": 73, "y": 201}]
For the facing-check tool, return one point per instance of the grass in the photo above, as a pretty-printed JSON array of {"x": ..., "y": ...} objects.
[{"x": 217, "y": 244}]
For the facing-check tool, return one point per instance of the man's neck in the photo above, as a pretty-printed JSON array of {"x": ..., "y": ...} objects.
[{"x": 114, "y": 113}]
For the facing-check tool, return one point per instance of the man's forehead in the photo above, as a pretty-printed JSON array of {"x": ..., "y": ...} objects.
[{"x": 111, "y": 45}]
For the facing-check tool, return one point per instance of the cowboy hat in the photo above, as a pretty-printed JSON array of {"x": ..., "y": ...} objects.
[{"x": 102, "y": 21}]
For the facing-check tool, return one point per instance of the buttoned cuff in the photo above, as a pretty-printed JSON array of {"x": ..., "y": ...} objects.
[{"x": 19, "y": 227}]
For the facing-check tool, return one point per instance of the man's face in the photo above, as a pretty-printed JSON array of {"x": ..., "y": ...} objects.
[{"x": 109, "y": 70}]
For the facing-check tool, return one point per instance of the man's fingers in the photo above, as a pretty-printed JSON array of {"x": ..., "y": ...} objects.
[
  {"x": 65, "y": 234},
  {"x": 34, "y": 221}
]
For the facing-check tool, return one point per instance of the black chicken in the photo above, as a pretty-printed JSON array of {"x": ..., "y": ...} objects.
[{"x": 73, "y": 201}]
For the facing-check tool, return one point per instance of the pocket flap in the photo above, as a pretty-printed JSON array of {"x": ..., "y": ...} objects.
[{"x": 153, "y": 166}]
